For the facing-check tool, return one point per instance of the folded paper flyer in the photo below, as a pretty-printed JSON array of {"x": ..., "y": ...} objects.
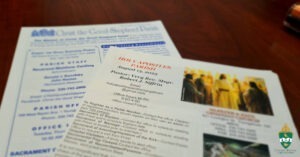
[
  {"x": 155, "y": 106},
  {"x": 49, "y": 74}
]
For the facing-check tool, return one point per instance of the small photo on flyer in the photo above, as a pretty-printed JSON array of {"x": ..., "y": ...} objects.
[
  {"x": 216, "y": 146},
  {"x": 230, "y": 91}
]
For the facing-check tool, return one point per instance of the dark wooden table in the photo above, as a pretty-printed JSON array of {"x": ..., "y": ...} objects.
[{"x": 247, "y": 33}]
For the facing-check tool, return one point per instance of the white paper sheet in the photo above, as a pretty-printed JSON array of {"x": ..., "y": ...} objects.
[
  {"x": 133, "y": 104},
  {"x": 49, "y": 74}
]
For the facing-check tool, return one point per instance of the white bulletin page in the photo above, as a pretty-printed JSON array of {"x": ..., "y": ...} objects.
[
  {"x": 145, "y": 105},
  {"x": 49, "y": 76}
]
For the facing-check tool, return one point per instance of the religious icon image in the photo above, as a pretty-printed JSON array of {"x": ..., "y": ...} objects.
[{"x": 229, "y": 91}]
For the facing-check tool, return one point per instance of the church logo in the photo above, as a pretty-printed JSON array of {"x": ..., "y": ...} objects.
[{"x": 285, "y": 136}]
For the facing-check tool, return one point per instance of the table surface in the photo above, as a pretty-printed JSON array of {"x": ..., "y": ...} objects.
[{"x": 247, "y": 33}]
